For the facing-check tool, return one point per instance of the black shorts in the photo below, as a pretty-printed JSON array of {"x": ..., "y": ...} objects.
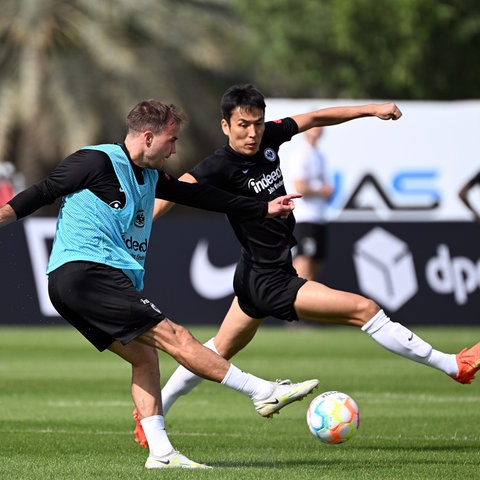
[
  {"x": 264, "y": 292},
  {"x": 101, "y": 303},
  {"x": 311, "y": 239}
]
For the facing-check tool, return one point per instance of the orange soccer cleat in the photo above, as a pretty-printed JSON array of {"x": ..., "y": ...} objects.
[
  {"x": 468, "y": 361},
  {"x": 140, "y": 437}
]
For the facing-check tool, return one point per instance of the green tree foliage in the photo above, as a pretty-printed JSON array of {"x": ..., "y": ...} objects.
[
  {"x": 409, "y": 49},
  {"x": 71, "y": 69}
]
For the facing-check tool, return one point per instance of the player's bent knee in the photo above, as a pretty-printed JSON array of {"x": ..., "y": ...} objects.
[{"x": 180, "y": 336}]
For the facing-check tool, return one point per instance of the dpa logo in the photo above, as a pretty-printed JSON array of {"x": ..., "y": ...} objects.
[{"x": 459, "y": 275}]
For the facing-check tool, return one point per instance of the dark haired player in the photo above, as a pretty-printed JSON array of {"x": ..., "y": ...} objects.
[{"x": 265, "y": 282}]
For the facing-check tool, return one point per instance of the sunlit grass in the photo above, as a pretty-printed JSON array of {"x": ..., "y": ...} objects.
[{"x": 66, "y": 411}]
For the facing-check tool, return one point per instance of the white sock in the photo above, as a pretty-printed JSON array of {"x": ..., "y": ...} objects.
[
  {"x": 158, "y": 442},
  {"x": 399, "y": 339},
  {"x": 250, "y": 385},
  {"x": 181, "y": 382}
]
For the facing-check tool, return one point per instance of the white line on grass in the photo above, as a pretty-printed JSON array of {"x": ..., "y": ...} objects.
[
  {"x": 51, "y": 431},
  {"x": 79, "y": 403},
  {"x": 379, "y": 397}
]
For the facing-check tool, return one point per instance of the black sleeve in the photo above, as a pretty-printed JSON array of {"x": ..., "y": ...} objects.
[
  {"x": 208, "y": 198},
  {"x": 29, "y": 201},
  {"x": 279, "y": 131},
  {"x": 77, "y": 171}
]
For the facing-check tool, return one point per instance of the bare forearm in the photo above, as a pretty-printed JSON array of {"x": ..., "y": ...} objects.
[
  {"x": 336, "y": 115},
  {"x": 7, "y": 215},
  {"x": 161, "y": 207}
]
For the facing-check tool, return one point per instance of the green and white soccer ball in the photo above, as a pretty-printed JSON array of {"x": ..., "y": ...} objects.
[{"x": 333, "y": 417}]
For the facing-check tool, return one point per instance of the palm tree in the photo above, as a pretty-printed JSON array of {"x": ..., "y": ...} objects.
[{"x": 70, "y": 70}]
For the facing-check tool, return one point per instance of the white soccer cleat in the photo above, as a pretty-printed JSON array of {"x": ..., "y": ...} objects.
[
  {"x": 173, "y": 460},
  {"x": 284, "y": 392}
]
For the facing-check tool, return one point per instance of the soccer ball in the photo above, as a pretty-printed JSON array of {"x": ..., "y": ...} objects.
[{"x": 333, "y": 417}]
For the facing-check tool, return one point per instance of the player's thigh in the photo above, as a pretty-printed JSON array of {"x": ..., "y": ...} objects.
[
  {"x": 318, "y": 303},
  {"x": 169, "y": 337}
]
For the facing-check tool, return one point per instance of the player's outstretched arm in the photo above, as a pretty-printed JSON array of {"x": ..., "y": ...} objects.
[
  {"x": 7, "y": 215},
  {"x": 336, "y": 115},
  {"x": 187, "y": 191}
]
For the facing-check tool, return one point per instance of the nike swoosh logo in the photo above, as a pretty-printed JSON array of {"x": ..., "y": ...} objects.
[
  {"x": 208, "y": 280},
  {"x": 272, "y": 403},
  {"x": 410, "y": 337},
  {"x": 245, "y": 171},
  {"x": 39, "y": 232}
]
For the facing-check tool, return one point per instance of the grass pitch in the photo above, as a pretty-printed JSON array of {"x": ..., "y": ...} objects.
[{"x": 66, "y": 411}]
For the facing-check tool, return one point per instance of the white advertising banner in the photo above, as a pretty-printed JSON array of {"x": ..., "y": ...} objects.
[{"x": 389, "y": 171}]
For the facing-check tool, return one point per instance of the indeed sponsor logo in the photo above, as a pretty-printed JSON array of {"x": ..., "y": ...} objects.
[
  {"x": 270, "y": 181},
  {"x": 135, "y": 245}
]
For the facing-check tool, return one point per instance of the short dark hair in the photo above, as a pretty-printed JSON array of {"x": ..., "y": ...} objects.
[
  {"x": 246, "y": 96},
  {"x": 155, "y": 116}
]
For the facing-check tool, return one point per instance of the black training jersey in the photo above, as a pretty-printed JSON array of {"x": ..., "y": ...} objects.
[
  {"x": 266, "y": 241},
  {"x": 93, "y": 170}
]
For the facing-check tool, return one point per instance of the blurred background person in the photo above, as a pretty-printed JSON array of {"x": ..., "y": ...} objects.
[
  {"x": 11, "y": 182},
  {"x": 306, "y": 174}
]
